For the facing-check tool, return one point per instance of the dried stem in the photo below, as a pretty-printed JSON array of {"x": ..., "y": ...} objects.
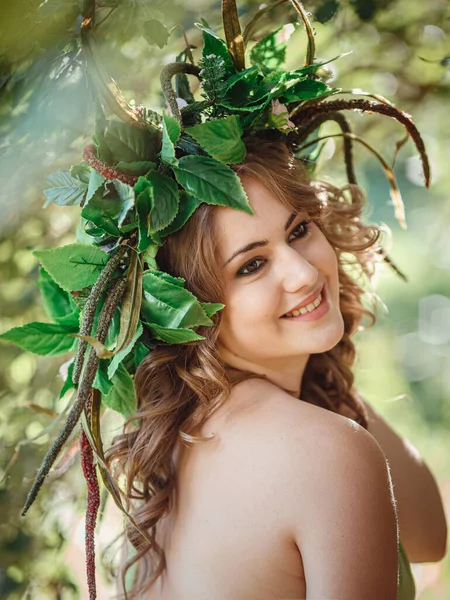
[{"x": 83, "y": 394}]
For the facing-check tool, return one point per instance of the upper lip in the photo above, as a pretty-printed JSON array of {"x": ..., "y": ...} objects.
[{"x": 307, "y": 300}]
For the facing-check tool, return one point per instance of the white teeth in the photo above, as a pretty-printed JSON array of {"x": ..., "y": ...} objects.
[{"x": 305, "y": 309}]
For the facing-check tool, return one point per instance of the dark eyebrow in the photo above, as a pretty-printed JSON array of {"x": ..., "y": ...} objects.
[{"x": 253, "y": 245}]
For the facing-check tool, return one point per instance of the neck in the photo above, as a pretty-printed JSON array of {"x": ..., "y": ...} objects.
[{"x": 286, "y": 374}]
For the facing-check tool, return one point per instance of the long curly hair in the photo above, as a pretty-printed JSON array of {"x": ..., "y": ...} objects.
[{"x": 180, "y": 386}]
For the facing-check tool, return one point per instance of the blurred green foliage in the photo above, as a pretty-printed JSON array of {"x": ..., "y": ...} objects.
[{"x": 398, "y": 49}]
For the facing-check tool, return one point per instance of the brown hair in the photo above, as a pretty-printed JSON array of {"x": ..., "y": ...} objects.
[{"x": 180, "y": 386}]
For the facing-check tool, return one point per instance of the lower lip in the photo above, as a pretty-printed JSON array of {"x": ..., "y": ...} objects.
[{"x": 317, "y": 313}]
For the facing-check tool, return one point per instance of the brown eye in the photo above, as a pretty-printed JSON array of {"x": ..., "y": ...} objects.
[
  {"x": 251, "y": 267},
  {"x": 301, "y": 231}
]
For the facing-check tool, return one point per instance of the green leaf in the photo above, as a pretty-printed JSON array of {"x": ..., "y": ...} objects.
[
  {"x": 188, "y": 205},
  {"x": 103, "y": 151},
  {"x": 213, "y": 44},
  {"x": 140, "y": 352},
  {"x": 117, "y": 359},
  {"x": 212, "y": 182},
  {"x": 95, "y": 182},
  {"x": 68, "y": 383},
  {"x": 104, "y": 213},
  {"x": 305, "y": 90},
  {"x": 222, "y": 139},
  {"x": 47, "y": 339},
  {"x": 102, "y": 381},
  {"x": 56, "y": 301},
  {"x": 174, "y": 336},
  {"x": 270, "y": 52},
  {"x": 179, "y": 281},
  {"x": 211, "y": 308},
  {"x": 170, "y": 305},
  {"x": 144, "y": 206},
  {"x": 126, "y": 195},
  {"x": 122, "y": 397},
  {"x": 130, "y": 144},
  {"x": 165, "y": 200},
  {"x": 81, "y": 173},
  {"x": 171, "y": 133},
  {"x": 73, "y": 267},
  {"x": 63, "y": 189},
  {"x": 72, "y": 320},
  {"x": 135, "y": 168},
  {"x": 155, "y": 33}
]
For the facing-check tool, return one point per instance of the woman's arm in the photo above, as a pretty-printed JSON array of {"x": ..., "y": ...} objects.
[{"x": 421, "y": 518}]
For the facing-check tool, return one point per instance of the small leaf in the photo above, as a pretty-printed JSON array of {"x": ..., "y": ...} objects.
[
  {"x": 211, "y": 308},
  {"x": 135, "y": 168},
  {"x": 102, "y": 381},
  {"x": 122, "y": 397},
  {"x": 213, "y": 44},
  {"x": 222, "y": 139},
  {"x": 126, "y": 195},
  {"x": 174, "y": 336},
  {"x": 140, "y": 352},
  {"x": 132, "y": 144},
  {"x": 144, "y": 206},
  {"x": 63, "y": 189},
  {"x": 155, "y": 32},
  {"x": 118, "y": 358},
  {"x": 100, "y": 349},
  {"x": 95, "y": 182},
  {"x": 104, "y": 213},
  {"x": 81, "y": 173},
  {"x": 46, "y": 339},
  {"x": 212, "y": 182},
  {"x": 73, "y": 267},
  {"x": 165, "y": 200},
  {"x": 171, "y": 133},
  {"x": 68, "y": 383}
]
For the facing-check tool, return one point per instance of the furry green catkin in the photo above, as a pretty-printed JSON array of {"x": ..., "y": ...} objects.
[
  {"x": 305, "y": 113},
  {"x": 84, "y": 391},
  {"x": 91, "y": 307}
]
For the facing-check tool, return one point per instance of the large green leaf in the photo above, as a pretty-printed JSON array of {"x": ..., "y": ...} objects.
[
  {"x": 188, "y": 205},
  {"x": 306, "y": 90},
  {"x": 170, "y": 305},
  {"x": 48, "y": 339},
  {"x": 213, "y": 44},
  {"x": 122, "y": 397},
  {"x": 56, "y": 301},
  {"x": 63, "y": 189},
  {"x": 131, "y": 144},
  {"x": 165, "y": 200},
  {"x": 73, "y": 267},
  {"x": 222, "y": 139},
  {"x": 212, "y": 182},
  {"x": 174, "y": 336}
]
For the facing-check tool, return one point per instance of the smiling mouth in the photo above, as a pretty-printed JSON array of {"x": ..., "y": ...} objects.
[{"x": 309, "y": 308}]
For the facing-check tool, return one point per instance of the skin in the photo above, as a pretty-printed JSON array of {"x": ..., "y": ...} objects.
[{"x": 264, "y": 283}]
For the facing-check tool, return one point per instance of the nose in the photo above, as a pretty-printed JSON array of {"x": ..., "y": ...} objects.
[{"x": 297, "y": 272}]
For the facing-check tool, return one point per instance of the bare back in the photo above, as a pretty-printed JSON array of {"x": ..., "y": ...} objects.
[{"x": 228, "y": 536}]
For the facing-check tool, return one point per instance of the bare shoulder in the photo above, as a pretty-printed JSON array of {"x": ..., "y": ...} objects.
[{"x": 335, "y": 493}]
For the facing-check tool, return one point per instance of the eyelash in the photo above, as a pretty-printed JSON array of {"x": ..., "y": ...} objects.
[{"x": 305, "y": 225}]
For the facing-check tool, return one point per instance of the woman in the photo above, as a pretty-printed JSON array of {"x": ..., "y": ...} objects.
[{"x": 259, "y": 471}]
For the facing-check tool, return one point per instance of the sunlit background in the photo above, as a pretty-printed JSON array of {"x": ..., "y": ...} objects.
[{"x": 399, "y": 49}]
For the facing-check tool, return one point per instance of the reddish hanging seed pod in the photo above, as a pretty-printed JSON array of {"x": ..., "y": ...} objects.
[
  {"x": 93, "y": 504},
  {"x": 90, "y": 156}
]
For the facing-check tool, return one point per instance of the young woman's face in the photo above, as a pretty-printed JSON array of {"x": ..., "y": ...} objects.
[{"x": 272, "y": 263}]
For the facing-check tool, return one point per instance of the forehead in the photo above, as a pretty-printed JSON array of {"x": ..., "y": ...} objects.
[{"x": 234, "y": 226}]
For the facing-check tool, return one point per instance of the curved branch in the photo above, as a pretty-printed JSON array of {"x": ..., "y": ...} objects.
[{"x": 167, "y": 73}]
